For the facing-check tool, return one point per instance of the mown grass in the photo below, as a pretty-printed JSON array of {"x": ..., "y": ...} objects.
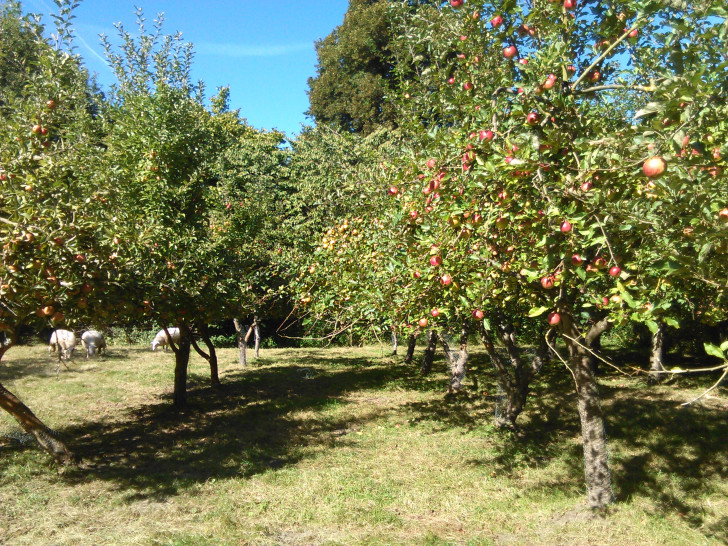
[{"x": 348, "y": 446}]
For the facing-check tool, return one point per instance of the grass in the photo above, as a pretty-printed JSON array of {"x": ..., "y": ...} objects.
[{"x": 348, "y": 446}]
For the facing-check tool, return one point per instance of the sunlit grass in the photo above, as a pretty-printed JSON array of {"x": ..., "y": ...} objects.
[{"x": 343, "y": 446}]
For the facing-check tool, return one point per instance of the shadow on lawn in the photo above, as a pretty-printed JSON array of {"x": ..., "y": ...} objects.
[{"x": 248, "y": 426}]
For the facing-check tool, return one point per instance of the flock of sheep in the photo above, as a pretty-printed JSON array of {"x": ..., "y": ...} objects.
[{"x": 64, "y": 341}]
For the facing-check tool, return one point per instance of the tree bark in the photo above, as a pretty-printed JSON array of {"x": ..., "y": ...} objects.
[
  {"x": 515, "y": 377},
  {"x": 32, "y": 425},
  {"x": 181, "y": 361},
  {"x": 458, "y": 362},
  {"x": 429, "y": 356},
  {"x": 593, "y": 431},
  {"x": 411, "y": 344},
  {"x": 656, "y": 354},
  {"x": 211, "y": 357},
  {"x": 242, "y": 345},
  {"x": 256, "y": 331},
  {"x": 395, "y": 342}
]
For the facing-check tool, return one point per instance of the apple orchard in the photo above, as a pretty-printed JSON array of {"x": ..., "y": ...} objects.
[{"x": 557, "y": 169}]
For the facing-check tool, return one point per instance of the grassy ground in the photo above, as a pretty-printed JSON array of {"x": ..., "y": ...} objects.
[{"x": 348, "y": 446}]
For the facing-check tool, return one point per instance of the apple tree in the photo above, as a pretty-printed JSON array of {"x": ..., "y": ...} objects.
[
  {"x": 538, "y": 189},
  {"x": 58, "y": 249}
]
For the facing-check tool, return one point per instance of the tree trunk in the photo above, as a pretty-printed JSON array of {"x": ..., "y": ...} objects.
[
  {"x": 593, "y": 432},
  {"x": 181, "y": 360},
  {"x": 458, "y": 362},
  {"x": 211, "y": 357},
  {"x": 32, "y": 425},
  {"x": 411, "y": 343},
  {"x": 242, "y": 345},
  {"x": 256, "y": 331},
  {"x": 395, "y": 342},
  {"x": 429, "y": 356},
  {"x": 514, "y": 378},
  {"x": 656, "y": 354}
]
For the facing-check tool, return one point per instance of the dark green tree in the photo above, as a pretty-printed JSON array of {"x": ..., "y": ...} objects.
[{"x": 354, "y": 75}]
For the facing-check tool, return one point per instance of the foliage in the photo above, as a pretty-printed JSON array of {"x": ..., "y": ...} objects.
[{"x": 354, "y": 73}]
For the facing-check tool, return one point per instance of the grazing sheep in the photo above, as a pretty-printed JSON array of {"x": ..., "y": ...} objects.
[
  {"x": 94, "y": 342},
  {"x": 64, "y": 341},
  {"x": 161, "y": 338}
]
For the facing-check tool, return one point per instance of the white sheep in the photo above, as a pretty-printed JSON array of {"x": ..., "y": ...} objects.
[
  {"x": 161, "y": 338},
  {"x": 64, "y": 341},
  {"x": 93, "y": 341}
]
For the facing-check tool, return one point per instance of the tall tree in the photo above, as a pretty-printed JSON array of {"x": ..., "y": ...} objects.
[{"x": 354, "y": 74}]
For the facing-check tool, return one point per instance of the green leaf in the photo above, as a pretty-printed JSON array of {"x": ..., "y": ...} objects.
[
  {"x": 652, "y": 325},
  {"x": 672, "y": 322},
  {"x": 536, "y": 311},
  {"x": 713, "y": 350},
  {"x": 724, "y": 346}
]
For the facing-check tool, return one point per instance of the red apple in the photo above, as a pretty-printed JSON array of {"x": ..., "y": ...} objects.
[
  {"x": 510, "y": 52},
  {"x": 553, "y": 318},
  {"x": 615, "y": 270},
  {"x": 414, "y": 215},
  {"x": 523, "y": 61},
  {"x": 600, "y": 262},
  {"x": 51, "y": 105},
  {"x": 716, "y": 154},
  {"x": 431, "y": 163},
  {"x": 486, "y": 135},
  {"x": 570, "y": 5},
  {"x": 532, "y": 118},
  {"x": 577, "y": 260},
  {"x": 547, "y": 282},
  {"x": 435, "y": 312},
  {"x": 478, "y": 314},
  {"x": 393, "y": 190},
  {"x": 565, "y": 226},
  {"x": 586, "y": 186},
  {"x": 723, "y": 215},
  {"x": 451, "y": 81},
  {"x": 654, "y": 167},
  {"x": 416, "y": 274},
  {"x": 467, "y": 86},
  {"x": 457, "y": 3},
  {"x": 436, "y": 261},
  {"x": 422, "y": 322},
  {"x": 496, "y": 21},
  {"x": 446, "y": 279},
  {"x": 36, "y": 129},
  {"x": 594, "y": 76}
]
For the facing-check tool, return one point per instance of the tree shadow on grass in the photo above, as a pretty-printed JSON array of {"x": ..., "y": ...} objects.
[{"x": 261, "y": 419}]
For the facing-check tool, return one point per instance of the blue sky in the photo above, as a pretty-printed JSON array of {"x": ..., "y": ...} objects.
[{"x": 263, "y": 49}]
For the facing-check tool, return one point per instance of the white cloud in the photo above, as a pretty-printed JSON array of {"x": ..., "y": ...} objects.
[{"x": 238, "y": 50}]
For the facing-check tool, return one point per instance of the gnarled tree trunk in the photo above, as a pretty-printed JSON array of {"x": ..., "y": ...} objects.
[
  {"x": 593, "y": 432},
  {"x": 515, "y": 376},
  {"x": 242, "y": 344},
  {"x": 656, "y": 354},
  {"x": 411, "y": 344},
  {"x": 256, "y": 332},
  {"x": 429, "y": 356},
  {"x": 31, "y": 424},
  {"x": 211, "y": 356},
  {"x": 181, "y": 361},
  {"x": 458, "y": 361}
]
